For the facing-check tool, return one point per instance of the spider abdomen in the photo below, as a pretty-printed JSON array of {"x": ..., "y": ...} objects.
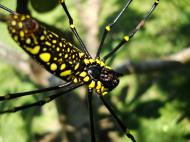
[{"x": 54, "y": 53}]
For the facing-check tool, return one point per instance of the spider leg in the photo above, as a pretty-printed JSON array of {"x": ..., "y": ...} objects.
[
  {"x": 40, "y": 102},
  {"x": 133, "y": 32},
  {"x": 109, "y": 26},
  {"x": 20, "y": 94},
  {"x": 124, "y": 128},
  {"x": 93, "y": 139},
  {"x": 72, "y": 26}
]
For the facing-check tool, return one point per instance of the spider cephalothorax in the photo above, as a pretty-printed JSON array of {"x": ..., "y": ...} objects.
[{"x": 102, "y": 77}]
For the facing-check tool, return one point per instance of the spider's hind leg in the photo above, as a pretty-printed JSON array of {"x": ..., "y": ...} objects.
[{"x": 123, "y": 127}]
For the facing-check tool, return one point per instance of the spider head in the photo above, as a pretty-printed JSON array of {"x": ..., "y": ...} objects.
[
  {"x": 104, "y": 76},
  {"x": 109, "y": 78}
]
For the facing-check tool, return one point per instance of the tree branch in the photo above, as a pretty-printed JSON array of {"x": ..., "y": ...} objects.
[{"x": 171, "y": 62}]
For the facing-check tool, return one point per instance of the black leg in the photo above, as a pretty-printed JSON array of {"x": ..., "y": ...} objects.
[
  {"x": 132, "y": 33},
  {"x": 109, "y": 26},
  {"x": 123, "y": 127},
  {"x": 40, "y": 102},
  {"x": 21, "y": 7},
  {"x": 93, "y": 139},
  {"x": 72, "y": 26},
  {"x": 20, "y": 94}
]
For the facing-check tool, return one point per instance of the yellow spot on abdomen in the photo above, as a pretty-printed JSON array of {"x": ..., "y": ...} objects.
[
  {"x": 76, "y": 66},
  {"x": 28, "y": 41},
  {"x": 34, "y": 50},
  {"x": 22, "y": 33},
  {"x": 81, "y": 54},
  {"x": 63, "y": 66},
  {"x": 86, "y": 79},
  {"x": 20, "y": 24},
  {"x": 42, "y": 37},
  {"x": 66, "y": 73},
  {"x": 47, "y": 43},
  {"x": 45, "y": 57},
  {"x": 53, "y": 66},
  {"x": 83, "y": 74},
  {"x": 13, "y": 23},
  {"x": 66, "y": 56}
]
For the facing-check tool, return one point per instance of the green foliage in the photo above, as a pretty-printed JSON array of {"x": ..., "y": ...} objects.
[{"x": 155, "y": 106}]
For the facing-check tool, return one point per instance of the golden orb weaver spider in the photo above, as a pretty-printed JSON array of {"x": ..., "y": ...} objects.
[{"x": 64, "y": 60}]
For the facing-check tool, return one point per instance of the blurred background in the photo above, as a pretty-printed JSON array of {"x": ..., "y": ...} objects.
[{"x": 152, "y": 98}]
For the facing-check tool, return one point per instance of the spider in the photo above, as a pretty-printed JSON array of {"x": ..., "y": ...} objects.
[{"x": 66, "y": 61}]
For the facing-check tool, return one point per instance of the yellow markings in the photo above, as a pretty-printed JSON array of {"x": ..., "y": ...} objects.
[
  {"x": 23, "y": 18},
  {"x": 108, "y": 28},
  {"x": 77, "y": 66},
  {"x": 70, "y": 62},
  {"x": 60, "y": 44},
  {"x": 86, "y": 61},
  {"x": 91, "y": 60},
  {"x": 34, "y": 38},
  {"x": 42, "y": 37},
  {"x": 83, "y": 74},
  {"x": 126, "y": 38},
  {"x": 47, "y": 43},
  {"x": 98, "y": 61},
  {"x": 44, "y": 49},
  {"x": 81, "y": 54},
  {"x": 66, "y": 56},
  {"x": 58, "y": 49},
  {"x": 64, "y": 45},
  {"x": 75, "y": 80},
  {"x": 66, "y": 73},
  {"x": 15, "y": 16},
  {"x": 62, "y": 1},
  {"x": 13, "y": 23},
  {"x": 72, "y": 26},
  {"x": 45, "y": 32},
  {"x": 92, "y": 84},
  {"x": 102, "y": 64},
  {"x": 86, "y": 79},
  {"x": 108, "y": 67},
  {"x": 13, "y": 31},
  {"x": 15, "y": 37},
  {"x": 54, "y": 41},
  {"x": 104, "y": 93},
  {"x": 34, "y": 50},
  {"x": 102, "y": 89},
  {"x": 27, "y": 16},
  {"x": 55, "y": 58},
  {"x": 53, "y": 66},
  {"x": 45, "y": 56},
  {"x": 21, "y": 33},
  {"x": 68, "y": 49},
  {"x": 63, "y": 66},
  {"x": 73, "y": 56},
  {"x": 60, "y": 54},
  {"x": 70, "y": 44},
  {"x": 20, "y": 24},
  {"x": 99, "y": 85},
  {"x": 157, "y": 1},
  {"x": 28, "y": 41}
]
